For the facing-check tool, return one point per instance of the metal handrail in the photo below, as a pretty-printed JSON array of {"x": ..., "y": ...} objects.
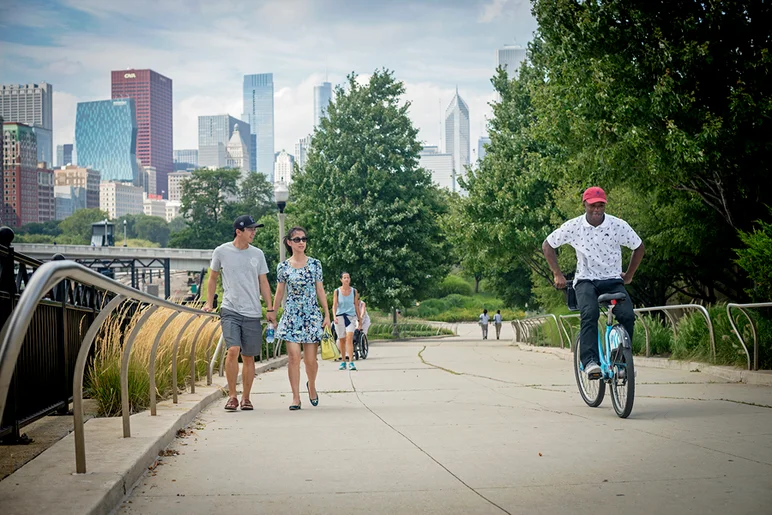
[
  {"x": 699, "y": 308},
  {"x": 15, "y": 329},
  {"x": 529, "y": 323},
  {"x": 670, "y": 317},
  {"x": 753, "y": 329}
]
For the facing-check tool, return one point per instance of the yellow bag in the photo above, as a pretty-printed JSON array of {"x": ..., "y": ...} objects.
[{"x": 329, "y": 348}]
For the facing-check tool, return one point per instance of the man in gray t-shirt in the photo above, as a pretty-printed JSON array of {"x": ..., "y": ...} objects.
[{"x": 243, "y": 270}]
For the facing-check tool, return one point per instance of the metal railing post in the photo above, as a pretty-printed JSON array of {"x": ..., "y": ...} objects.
[
  {"x": 174, "y": 357},
  {"x": 125, "y": 369},
  {"x": 193, "y": 354},
  {"x": 736, "y": 330},
  {"x": 153, "y": 351},
  {"x": 77, "y": 382}
]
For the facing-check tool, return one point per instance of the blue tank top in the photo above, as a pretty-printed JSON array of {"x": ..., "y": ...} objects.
[{"x": 346, "y": 303}]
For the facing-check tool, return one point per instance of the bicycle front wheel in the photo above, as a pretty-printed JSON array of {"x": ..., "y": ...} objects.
[
  {"x": 592, "y": 391},
  {"x": 623, "y": 380},
  {"x": 364, "y": 346}
]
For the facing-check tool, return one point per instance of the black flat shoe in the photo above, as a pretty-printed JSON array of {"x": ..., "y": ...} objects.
[
  {"x": 314, "y": 402},
  {"x": 295, "y": 407}
]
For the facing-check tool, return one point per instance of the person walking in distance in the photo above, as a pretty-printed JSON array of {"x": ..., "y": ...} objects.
[
  {"x": 598, "y": 239},
  {"x": 484, "y": 323},
  {"x": 244, "y": 272},
  {"x": 345, "y": 305},
  {"x": 301, "y": 324},
  {"x": 497, "y": 323}
]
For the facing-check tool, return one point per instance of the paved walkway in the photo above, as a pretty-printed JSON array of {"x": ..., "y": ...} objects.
[{"x": 468, "y": 426}]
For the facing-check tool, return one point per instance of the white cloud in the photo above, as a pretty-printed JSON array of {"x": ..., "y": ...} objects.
[
  {"x": 492, "y": 11},
  {"x": 64, "y": 106}
]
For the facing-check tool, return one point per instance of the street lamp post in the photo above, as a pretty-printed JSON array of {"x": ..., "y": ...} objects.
[
  {"x": 124, "y": 232},
  {"x": 281, "y": 194}
]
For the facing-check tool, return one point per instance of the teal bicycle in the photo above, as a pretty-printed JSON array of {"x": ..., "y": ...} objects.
[{"x": 616, "y": 364}]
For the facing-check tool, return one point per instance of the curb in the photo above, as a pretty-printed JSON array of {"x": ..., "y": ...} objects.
[
  {"x": 115, "y": 464},
  {"x": 732, "y": 374}
]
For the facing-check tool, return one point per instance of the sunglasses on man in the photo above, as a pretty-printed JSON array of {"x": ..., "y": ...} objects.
[{"x": 298, "y": 240}]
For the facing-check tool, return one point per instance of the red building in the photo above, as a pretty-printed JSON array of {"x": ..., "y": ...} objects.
[
  {"x": 152, "y": 94},
  {"x": 20, "y": 175},
  {"x": 46, "y": 199}
]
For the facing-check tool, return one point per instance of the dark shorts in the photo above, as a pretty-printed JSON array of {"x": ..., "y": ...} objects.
[{"x": 243, "y": 332}]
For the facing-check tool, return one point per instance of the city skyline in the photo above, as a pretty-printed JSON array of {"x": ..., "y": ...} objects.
[{"x": 74, "y": 44}]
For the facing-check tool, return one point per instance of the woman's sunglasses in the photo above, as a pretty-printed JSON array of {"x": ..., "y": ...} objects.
[{"x": 298, "y": 240}]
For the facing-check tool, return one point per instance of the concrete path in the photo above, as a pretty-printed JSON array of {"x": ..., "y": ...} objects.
[{"x": 468, "y": 426}]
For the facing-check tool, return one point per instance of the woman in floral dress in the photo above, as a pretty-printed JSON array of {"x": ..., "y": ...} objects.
[{"x": 301, "y": 323}]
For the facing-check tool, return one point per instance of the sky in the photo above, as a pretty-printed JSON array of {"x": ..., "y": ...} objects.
[{"x": 205, "y": 47}]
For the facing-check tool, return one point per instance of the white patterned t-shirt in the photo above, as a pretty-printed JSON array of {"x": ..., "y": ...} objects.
[{"x": 598, "y": 249}]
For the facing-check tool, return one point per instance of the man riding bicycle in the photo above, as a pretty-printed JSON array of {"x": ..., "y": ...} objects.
[{"x": 598, "y": 239}]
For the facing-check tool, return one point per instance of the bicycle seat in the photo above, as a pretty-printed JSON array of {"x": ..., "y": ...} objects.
[{"x": 606, "y": 298}]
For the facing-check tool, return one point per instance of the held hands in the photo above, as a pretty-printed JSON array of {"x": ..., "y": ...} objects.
[
  {"x": 626, "y": 277},
  {"x": 270, "y": 315},
  {"x": 560, "y": 281}
]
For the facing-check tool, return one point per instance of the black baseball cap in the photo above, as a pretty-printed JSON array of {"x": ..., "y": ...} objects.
[{"x": 245, "y": 221}]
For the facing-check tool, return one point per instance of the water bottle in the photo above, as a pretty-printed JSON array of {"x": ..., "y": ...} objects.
[{"x": 269, "y": 333}]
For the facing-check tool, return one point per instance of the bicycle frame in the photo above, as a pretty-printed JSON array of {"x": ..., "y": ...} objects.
[{"x": 605, "y": 350}]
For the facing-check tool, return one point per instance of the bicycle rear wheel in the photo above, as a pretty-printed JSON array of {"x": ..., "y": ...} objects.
[
  {"x": 623, "y": 382},
  {"x": 592, "y": 391},
  {"x": 364, "y": 346}
]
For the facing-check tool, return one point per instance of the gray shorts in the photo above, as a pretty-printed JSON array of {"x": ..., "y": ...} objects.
[{"x": 241, "y": 331}]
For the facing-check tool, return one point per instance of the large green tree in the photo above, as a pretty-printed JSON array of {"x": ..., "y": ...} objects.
[
  {"x": 78, "y": 225},
  {"x": 152, "y": 228},
  {"x": 368, "y": 207},
  {"x": 206, "y": 196}
]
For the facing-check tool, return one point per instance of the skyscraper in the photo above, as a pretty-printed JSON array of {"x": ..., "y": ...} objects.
[
  {"x": 258, "y": 113},
  {"x": 439, "y": 165},
  {"x": 106, "y": 138},
  {"x": 214, "y": 133},
  {"x": 484, "y": 140},
  {"x": 510, "y": 57},
  {"x": 238, "y": 154},
  {"x": 63, "y": 154},
  {"x": 20, "y": 175},
  {"x": 184, "y": 159},
  {"x": 302, "y": 148},
  {"x": 283, "y": 167},
  {"x": 152, "y": 94},
  {"x": 322, "y": 98},
  {"x": 457, "y": 136},
  {"x": 31, "y": 104}
]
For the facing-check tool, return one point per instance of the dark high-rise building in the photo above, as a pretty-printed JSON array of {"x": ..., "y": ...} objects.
[
  {"x": 152, "y": 94},
  {"x": 64, "y": 155}
]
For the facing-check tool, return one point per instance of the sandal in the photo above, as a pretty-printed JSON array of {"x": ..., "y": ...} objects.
[
  {"x": 246, "y": 405},
  {"x": 232, "y": 404}
]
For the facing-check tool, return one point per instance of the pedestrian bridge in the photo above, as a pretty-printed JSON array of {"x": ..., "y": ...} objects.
[{"x": 191, "y": 260}]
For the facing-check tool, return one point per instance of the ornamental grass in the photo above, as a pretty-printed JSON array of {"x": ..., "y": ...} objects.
[{"x": 103, "y": 372}]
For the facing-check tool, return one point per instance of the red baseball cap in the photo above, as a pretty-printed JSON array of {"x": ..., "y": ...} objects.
[{"x": 594, "y": 194}]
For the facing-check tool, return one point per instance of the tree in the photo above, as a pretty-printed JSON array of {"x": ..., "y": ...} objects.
[
  {"x": 204, "y": 202},
  {"x": 256, "y": 196},
  {"x": 152, "y": 228},
  {"x": 131, "y": 231},
  {"x": 368, "y": 207},
  {"x": 79, "y": 224}
]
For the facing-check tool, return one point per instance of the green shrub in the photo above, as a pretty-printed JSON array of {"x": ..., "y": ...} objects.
[
  {"x": 660, "y": 336},
  {"x": 450, "y": 284},
  {"x": 693, "y": 342},
  {"x": 756, "y": 259}
]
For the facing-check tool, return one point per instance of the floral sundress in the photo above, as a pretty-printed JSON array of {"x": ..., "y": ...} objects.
[{"x": 302, "y": 319}]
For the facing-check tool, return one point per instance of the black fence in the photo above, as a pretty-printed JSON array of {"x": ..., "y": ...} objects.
[{"x": 42, "y": 380}]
